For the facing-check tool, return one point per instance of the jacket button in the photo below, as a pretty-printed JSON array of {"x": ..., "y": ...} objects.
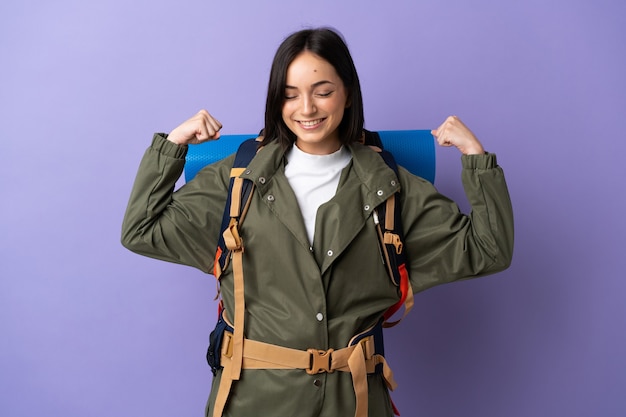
[
  {"x": 317, "y": 383},
  {"x": 262, "y": 180},
  {"x": 270, "y": 197},
  {"x": 393, "y": 183},
  {"x": 367, "y": 207},
  {"x": 319, "y": 317},
  {"x": 379, "y": 192},
  {"x": 329, "y": 253}
]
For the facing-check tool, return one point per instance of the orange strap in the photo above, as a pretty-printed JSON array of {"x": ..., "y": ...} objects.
[
  {"x": 407, "y": 299},
  {"x": 390, "y": 211},
  {"x": 234, "y": 243},
  {"x": 233, "y": 366}
]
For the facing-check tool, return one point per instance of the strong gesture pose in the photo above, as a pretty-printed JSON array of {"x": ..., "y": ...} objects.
[{"x": 301, "y": 326}]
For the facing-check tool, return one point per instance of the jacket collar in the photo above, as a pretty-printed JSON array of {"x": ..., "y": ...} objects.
[{"x": 369, "y": 167}]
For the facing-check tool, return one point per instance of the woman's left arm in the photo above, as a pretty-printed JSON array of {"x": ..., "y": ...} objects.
[{"x": 445, "y": 245}]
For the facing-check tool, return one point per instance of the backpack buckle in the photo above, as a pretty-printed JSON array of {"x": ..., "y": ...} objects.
[
  {"x": 231, "y": 236},
  {"x": 320, "y": 361},
  {"x": 393, "y": 239}
]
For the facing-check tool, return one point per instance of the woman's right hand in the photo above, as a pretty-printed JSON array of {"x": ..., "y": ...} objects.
[{"x": 200, "y": 128}]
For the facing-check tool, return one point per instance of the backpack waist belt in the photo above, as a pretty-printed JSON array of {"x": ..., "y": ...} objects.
[{"x": 358, "y": 359}]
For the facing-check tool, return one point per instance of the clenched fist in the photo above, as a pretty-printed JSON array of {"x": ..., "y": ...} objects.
[
  {"x": 453, "y": 132},
  {"x": 200, "y": 128}
]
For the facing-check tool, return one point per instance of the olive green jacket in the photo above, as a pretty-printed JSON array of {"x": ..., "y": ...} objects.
[{"x": 304, "y": 296}]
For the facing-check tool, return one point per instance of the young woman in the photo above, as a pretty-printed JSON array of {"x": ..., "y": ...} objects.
[{"x": 312, "y": 265}]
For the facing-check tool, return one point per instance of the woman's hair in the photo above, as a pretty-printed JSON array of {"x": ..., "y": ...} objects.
[{"x": 328, "y": 45}]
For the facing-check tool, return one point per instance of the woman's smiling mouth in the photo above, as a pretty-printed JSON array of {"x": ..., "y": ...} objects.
[{"x": 309, "y": 124}]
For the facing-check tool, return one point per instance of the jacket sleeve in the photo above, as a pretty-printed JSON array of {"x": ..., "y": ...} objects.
[
  {"x": 176, "y": 226},
  {"x": 445, "y": 245}
]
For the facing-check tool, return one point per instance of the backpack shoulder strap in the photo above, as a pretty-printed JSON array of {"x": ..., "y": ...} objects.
[
  {"x": 371, "y": 139},
  {"x": 389, "y": 225},
  {"x": 230, "y": 246},
  {"x": 239, "y": 191}
]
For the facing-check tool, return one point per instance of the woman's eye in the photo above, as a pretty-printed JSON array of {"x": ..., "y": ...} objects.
[{"x": 325, "y": 94}]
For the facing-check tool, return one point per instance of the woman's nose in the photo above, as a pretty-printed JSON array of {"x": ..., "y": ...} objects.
[{"x": 308, "y": 105}]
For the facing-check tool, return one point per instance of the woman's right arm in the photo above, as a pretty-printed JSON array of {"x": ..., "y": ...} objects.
[{"x": 181, "y": 226}]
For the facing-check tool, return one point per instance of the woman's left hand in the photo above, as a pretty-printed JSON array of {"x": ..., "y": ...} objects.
[{"x": 453, "y": 132}]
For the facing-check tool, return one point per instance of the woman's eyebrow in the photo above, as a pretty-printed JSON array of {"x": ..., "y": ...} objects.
[{"x": 317, "y": 84}]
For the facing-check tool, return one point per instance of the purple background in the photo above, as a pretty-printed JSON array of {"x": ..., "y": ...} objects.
[{"x": 90, "y": 329}]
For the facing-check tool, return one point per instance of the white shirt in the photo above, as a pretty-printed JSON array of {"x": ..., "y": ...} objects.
[{"x": 314, "y": 180}]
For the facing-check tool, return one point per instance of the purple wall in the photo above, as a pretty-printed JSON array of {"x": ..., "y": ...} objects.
[{"x": 90, "y": 329}]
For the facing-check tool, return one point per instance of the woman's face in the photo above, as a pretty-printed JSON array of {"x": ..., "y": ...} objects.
[{"x": 315, "y": 100}]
